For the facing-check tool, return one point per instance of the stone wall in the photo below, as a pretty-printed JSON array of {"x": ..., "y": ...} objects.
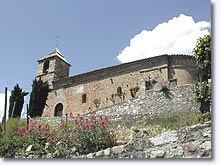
[
  {"x": 150, "y": 103},
  {"x": 154, "y": 103}
]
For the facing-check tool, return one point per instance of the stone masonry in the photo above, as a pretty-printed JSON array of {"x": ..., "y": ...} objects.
[{"x": 108, "y": 86}]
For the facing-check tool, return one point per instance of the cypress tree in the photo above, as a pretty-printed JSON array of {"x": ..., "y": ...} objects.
[
  {"x": 16, "y": 102},
  {"x": 38, "y": 97}
]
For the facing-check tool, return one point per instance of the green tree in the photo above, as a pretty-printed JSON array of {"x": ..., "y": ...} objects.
[
  {"x": 202, "y": 53},
  {"x": 16, "y": 102},
  {"x": 38, "y": 98}
]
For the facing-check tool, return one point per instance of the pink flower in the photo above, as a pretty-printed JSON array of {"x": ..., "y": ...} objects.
[
  {"x": 73, "y": 135},
  {"x": 92, "y": 117},
  {"x": 92, "y": 125},
  {"x": 44, "y": 134},
  {"x": 71, "y": 114},
  {"x": 39, "y": 126}
]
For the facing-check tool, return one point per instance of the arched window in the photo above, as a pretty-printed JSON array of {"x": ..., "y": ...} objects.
[
  {"x": 46, "y": 66},
  {"x": 84, "y": 98},
  {"x": 58, "y": 110},
  {"x": 119, "y": 91}
]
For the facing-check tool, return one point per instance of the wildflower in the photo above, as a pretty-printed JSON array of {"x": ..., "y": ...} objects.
[
  {"x": 44, "y": 134},
  {"x": 92, "y": 117},
  {"x": 92, "y": 125},
  {"x": 71, "y": 114},
  {"x": 49, "y": 139},
  {"x": 39, "y": 126},
  {"x": 73, "y": 135}
]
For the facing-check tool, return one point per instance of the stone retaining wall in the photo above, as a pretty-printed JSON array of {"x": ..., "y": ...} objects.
[
  {"x": 154, "y": 103},
  {"x": 151, "y": 103}
]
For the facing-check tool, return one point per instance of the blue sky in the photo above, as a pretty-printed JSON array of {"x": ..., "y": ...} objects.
[{"x": 92, "y": 33}]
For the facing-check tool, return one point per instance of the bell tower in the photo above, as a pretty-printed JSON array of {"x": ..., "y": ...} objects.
[{"x": 53, "y": 67}]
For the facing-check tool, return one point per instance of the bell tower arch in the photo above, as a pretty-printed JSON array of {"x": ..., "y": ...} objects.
[{"x": 53, "y": 67}]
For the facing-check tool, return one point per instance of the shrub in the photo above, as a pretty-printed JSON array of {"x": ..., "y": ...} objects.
[
  {"x": 9, "y": 146},
  {"x": 12, "y": 126},
  {"x": 165, "y": 88},
  {"x": 134, "y": 91},
  {"x": 92, "y": 133},
  {"x": 96, "y": 102},
  {"x": 87, "y": 134}
]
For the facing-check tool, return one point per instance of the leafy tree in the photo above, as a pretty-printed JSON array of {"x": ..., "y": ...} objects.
[
  {"x": 202, "y": 53},
  {"x": 38, "y": 98},
  {"x": 16, "y": 102}
]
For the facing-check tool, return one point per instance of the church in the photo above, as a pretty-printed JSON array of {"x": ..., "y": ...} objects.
[{"x": 111, "y": 85}]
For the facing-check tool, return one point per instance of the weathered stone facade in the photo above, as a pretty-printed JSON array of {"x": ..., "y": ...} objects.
[{"x": 104, "y": 87}]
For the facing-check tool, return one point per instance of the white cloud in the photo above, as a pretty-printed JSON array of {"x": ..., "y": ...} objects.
[
  {"x": 2, "y": 104},
  {"x": 177, "y": 36}
]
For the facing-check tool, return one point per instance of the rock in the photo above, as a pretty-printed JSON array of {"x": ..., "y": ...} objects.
[
  {"x": 207, "y": 134},
  {"x": 49, "y": 155},
  {"x": 139, "y": 134},
  {"x": 33, "y": 156},
  {"x": 129, "y": 146},
  {"x": 139, "y": 145},
  {"x": 157, "y": 154},
  {"x": 107, "y": 152},
  {"x": 90, "y": 155},
  {"x": 99, "y": 153},
  {"x": 164, "y": 138},
  {"x": 206, "y": 145},
  {"x": 47, "y": 145},
  {"x": 191, "y": 147},
  {"x": 29, "y": 148},
  {"x": 118, "y": 149},
  {"x": 74, "y": 150}
]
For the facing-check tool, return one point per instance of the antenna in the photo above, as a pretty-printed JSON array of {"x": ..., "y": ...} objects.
[{"x": 57, "y": 41}]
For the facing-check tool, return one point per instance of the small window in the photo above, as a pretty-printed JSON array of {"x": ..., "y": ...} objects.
[
  {"x": 58, "y": 110},
  {"x": 46, "y": 66},
  {"x": 119, "y": 91},
  {"x": 84, "y": 98}
]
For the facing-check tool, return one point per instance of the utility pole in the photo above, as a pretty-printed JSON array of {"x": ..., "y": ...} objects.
[
  {"x": 27, "y": 117},
  {"x": 13, "y": 109},
  {"x": 4, "y": 117}
]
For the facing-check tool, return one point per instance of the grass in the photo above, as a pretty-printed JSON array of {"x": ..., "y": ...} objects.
[{"x": 156, "y": 125}]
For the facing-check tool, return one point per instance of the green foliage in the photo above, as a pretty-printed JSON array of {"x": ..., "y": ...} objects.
[
  {"x": 10, "y": 145},
  {"x": 86, "y": 134},
  {"x": 38, "y": 98},
  {"x": 92, "y": 134},
  {"x": 12, "y": 126},
  {"x": 96, "y": 102},
  {"x": 112, "y": 98},
  {"x": 16, "y": 102},
  {"x": 133, "y": 91},
  {"x": 202, "y": 53},
  {"x": 204, "y": 117}
]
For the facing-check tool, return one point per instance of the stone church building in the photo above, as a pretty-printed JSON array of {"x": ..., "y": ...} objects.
[{"x": 104, "y": 87}]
